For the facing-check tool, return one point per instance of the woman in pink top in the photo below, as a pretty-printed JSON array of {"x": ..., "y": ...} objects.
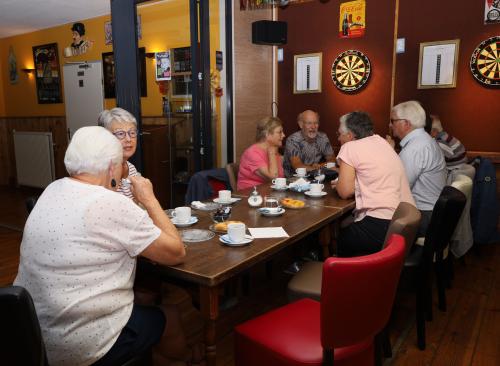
[
  {"x": 369, "y": 169},
  {"x": 262, "y": 162}
]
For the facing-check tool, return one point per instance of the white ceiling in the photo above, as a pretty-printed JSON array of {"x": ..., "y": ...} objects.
[{"x": 24, "y": 16}]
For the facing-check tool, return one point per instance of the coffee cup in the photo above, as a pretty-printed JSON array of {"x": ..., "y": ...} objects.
[
  {"x": 236, "y": 232},
  {"x": 330, "y": 165},
  {"x": 224, "y": 195},
  {"x": 279, "y": 182},
  {"x": 301, "y": 172},
  {"x": 316, "y": 188},
  {"x": 182, "y": 214}
]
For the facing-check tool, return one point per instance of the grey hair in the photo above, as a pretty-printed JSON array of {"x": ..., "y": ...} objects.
[
  {"x": 411, "y": 111},
  {"x": 107, "y": 117},
  {"x": 300, "y": 116},
  {"x": 91, "y": 150},
  {"x": 436, "y": 123},
  {"x": 358, "y": 123}
]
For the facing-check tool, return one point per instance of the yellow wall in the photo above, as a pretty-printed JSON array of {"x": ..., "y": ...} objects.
[{"x": 164, "y": 26}]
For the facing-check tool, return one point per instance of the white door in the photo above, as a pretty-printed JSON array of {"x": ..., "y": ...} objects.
[{"x": 83, "y": 94}]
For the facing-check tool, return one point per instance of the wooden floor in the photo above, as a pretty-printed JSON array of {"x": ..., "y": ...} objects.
[{"x": 467, "y": 334}]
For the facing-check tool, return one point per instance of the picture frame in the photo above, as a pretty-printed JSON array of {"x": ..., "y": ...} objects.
[
  {"x": 47, "y": 74},
  {"x": 437, "y": 67},
  {"x": 307, "y": 71},
  {"x": 108, "y": 71}
]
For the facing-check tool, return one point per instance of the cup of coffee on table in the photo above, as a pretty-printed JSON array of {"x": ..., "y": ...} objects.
[
  {"x": 301, "y": 172},
  {"x": 225, "y": 196},
  {"x": 236, "y": 232},
  {"x": 182, "y": 214},
  {"x": 316, "y": 188},
  {"x": 279, "y": 182}
]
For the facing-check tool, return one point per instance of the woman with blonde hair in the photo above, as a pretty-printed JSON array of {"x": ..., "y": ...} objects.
[{"x": 261, "y": 162}]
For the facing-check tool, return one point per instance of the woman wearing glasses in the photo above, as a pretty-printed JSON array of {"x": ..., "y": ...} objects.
[{"x": 123, "y": 125}]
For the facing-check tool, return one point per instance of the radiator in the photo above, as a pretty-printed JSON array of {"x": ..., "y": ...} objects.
[{"x": 34, "y": 154}]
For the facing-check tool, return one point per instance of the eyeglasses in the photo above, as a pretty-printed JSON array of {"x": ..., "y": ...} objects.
[
  {"x": 397, "y": 119},
  {"x": 120, "y": 134}
]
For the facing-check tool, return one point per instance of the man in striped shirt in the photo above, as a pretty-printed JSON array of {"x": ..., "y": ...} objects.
[{"x": 453, "y": 149}]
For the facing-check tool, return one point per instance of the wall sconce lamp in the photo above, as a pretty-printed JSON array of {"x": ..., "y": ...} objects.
[
  {"x": 28, "y": 71},
  {"x": 150, "y": 54}
]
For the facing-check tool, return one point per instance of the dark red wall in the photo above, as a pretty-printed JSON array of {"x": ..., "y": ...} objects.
[
  {"x": 313, "y": 27},
  {"x": 469, "y": 111}
]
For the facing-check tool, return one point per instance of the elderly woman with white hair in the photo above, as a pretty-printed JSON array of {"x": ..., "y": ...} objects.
[
  {"x": 78, "y": 259},
  {"x": 123, "y": 125},
  {"x": 369, "y": 169}
]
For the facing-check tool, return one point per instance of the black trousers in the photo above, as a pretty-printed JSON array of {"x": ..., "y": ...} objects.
[{"x": 362, "y": 237}]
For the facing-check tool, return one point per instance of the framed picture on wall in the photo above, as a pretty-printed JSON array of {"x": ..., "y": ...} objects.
[
  {"x": 307, "y": 73},
  {"x": 437, "y": 67},
  {"x": 108, "y": 66},
  {"x": 47, "y": 73}
]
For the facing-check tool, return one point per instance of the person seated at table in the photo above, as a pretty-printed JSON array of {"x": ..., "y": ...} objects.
[
  {"x": 78, "y": 260},
  {"x": 307, "y": 147},
  {"x": 453, "y": 150},
  {"x": 123, "y": 125},
  {"x": 372, "y": 172},
  {"x": 262, "y": 162}
]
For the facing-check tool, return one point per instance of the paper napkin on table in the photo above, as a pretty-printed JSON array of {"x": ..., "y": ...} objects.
[
  {"x": 268, "y": 232},
  {"x": 198, "y": 204},
  {"x": 300, "y": 185}
]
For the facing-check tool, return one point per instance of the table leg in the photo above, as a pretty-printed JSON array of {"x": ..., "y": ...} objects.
[
  {"x": 209, "y": 301},
  {"x": 324, "y": 240}
]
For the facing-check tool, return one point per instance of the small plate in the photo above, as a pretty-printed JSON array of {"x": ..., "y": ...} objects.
[
  {"x": 280, "y": 188},
  {"x": 230, "y": 202},
  {"x": 195, "y": 235},
  {"x": 212, "y": 228},
  {"x": 225, "y": 240},
  {"x": 319, "y": 194},
  {"x": 193, "y": 220},
  {"x": 265, "y": 212}
]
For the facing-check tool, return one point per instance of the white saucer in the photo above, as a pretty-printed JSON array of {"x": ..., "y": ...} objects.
[
  {"x": 300, "y": 176},
  {"x": 280, "y": 188},
  {"x": 225, "y": 240},
  {"x": 319, "y": 194},
  {"x": 230, "y": 202},
  {"x": 193, "y": 220},
  {"x": 265, "y": 212}
]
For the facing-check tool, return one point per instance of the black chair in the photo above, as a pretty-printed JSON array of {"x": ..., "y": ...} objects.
[
  {"x": 22, "y": 342},
  {"x": 30, "y": 203},
  {"x": 445, "y": 216}
]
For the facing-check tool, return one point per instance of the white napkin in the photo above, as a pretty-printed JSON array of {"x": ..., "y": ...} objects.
[
  {"x": 300, "y": 185},
  {"x": 198, "y": 204},
  {"x": 268, "y": 232}
]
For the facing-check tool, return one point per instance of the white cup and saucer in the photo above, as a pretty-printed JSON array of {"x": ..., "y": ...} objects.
[
  {"x": 236, "y": 235},
  {"x": 225, "y": 197},
  {"x": 279, "y": 184},
  {"x": 271, "y": 207},
  {"x": 316, "y": 190},
  {"x": 300, "y": 172},
  {"x": 181, "y": 217}
]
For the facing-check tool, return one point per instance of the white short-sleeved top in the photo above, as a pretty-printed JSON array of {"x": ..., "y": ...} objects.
[{"x": 78, "y": 263}]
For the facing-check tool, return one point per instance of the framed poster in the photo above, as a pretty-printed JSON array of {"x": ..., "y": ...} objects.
[
  {"x": 437, "y": 67},
  {"x": 47, "y": 73},
  {"x": 108, "y": 71},
  {"x": 307, "y": 73},
  {"x": 491, "y": 11},
  {"x": 352, "y": 19},
  {"x": 163, "y": 66}
]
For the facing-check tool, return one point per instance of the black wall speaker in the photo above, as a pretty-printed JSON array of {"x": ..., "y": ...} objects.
[{"x": 269, "y": 32}]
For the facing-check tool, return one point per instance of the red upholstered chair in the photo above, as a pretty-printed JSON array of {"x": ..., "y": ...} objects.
[{"x": 356, "y": 301}]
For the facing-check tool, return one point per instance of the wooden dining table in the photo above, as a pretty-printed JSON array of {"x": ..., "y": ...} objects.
[{"x": 209, "y": 264}]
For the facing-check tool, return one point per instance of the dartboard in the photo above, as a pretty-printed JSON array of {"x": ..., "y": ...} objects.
[
  {"x": 350, "y": 70},
  {"x": 485, "y": 62}
]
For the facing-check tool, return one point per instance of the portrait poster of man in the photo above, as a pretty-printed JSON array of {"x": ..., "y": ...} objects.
[
  {"x": 47, "y": 73},
  {"x": 352, "y": 19},
  {"x": 491, "y": 11},
  {"x": 163, "y": 66}
]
